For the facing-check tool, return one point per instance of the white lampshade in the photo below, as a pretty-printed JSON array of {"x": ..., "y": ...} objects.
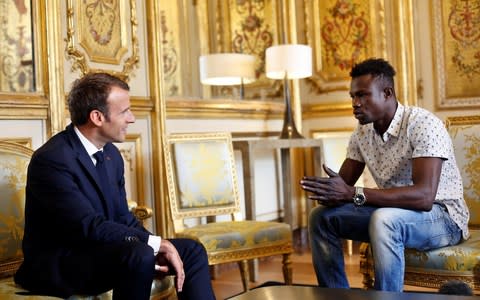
[
  {"x": 227, "y": 68},
  {"x": 295, "y": 60}
]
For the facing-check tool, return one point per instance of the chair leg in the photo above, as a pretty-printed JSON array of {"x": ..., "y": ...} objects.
[
  {"x": 244, "y": 273},
  {"x": 253, "y": 269},
  {"x": 213, "y": 272},
  {"x": 287, "y": 269}
]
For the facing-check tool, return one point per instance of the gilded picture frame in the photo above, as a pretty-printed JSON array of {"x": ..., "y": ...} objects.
[
  {"x": 98, "y": 37},
  {"x": 342, "y": 33},
  {"x": 456, "y": 58}
]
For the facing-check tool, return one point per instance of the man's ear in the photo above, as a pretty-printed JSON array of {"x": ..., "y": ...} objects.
[
  {"x": 97, "y": 117},
  {"x": 388, "y": 91}
]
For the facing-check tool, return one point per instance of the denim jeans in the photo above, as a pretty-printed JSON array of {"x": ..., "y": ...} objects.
[{"x": 388, "y": 230}]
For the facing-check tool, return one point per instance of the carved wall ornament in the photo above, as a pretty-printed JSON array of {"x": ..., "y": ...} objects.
[
  {"x": 456, "y": 32},
  {"x": 342, "y": 33},
  {"x": 100, "y": 26},
  {"x": 170, "y": 57},
  {"x": 16, "y": 40}
]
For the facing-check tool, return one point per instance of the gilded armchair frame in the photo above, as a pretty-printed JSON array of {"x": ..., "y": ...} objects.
[
  {"x": 462, "y": 261},
  {"x": 179, "y": 148},
  {"x": 22, "y": 154}
]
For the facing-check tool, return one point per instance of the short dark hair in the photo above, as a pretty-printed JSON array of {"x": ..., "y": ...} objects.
[
  {"x": 377, "y": 67},
  {"x": 455, "y": 287},
  {"x": 91, "y": 92}
]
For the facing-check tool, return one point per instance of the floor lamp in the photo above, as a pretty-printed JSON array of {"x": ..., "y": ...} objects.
[
  {"x": 227, "y": 69},
  {"x": 286, "y": 62}
]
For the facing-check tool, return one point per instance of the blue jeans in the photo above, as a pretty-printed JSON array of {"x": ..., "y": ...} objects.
[{"x": 388, "y": 230}]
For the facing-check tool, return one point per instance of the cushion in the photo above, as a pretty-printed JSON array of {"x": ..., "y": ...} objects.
[
  {"x": 238, "y": 235},
  {"x": 463, "y": 257},
  {"x": 9, "y": 290},
  {"x": 161, "y": 289}
]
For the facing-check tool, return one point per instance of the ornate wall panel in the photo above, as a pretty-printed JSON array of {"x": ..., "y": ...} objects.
[
  {"x": 102, "y": 36},
  {"x": 16, "y": 57},
  {"x": 342, "y": 33},
  {"x": 248, "y": 26},
  {"x": 456, "y": 32},
  {"x": 170, "y": 18}
]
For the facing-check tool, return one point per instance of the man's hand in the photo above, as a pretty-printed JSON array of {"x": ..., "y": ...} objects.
[
  {"x": 328, "y": 191},
  {"x": 168, "y": 258}
]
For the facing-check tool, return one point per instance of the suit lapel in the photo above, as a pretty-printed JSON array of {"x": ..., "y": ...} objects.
[{"x": 87, "y": 164}]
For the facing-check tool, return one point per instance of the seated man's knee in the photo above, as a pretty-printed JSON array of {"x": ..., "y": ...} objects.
[
  {"x": 316, "y": 215},
  {"x": 381, "y": 220},
  {"x": 139, "y": 256}
]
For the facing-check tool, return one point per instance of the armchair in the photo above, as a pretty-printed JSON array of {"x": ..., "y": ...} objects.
[
  {"x": 14, "y": 159},
  {"x": 202, "y": 182},
  {"x": 462, "y": 262}
]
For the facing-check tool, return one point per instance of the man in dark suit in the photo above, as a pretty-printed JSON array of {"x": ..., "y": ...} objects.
[{"x": 80, "y": 237}]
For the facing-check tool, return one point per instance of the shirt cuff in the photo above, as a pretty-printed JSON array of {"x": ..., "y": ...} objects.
[{"x": 154, "y": 241}]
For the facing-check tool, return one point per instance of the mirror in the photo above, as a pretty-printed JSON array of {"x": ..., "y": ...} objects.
[{"x": 16, "y": 51}]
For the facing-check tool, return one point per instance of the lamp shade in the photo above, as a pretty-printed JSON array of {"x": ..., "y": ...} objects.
[
  {"x": 294, "y": 60},
  {"x": 227, "y": 68}
]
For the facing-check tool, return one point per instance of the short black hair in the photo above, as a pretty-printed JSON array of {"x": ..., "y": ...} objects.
[
  {"x": 377, "y": 67},
  {"x": 91, "y": 92}
]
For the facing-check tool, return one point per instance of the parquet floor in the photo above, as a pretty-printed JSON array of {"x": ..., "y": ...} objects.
[{"x": 228, "y": 282}]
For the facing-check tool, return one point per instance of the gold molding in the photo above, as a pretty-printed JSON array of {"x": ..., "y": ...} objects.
[
  {"x": 462, "y": 120},
  {"x": 224, "y": 109},
  {"x": 79, "y": 58},
  {"x": 451, "y": 89},
  {"x": 55, "y": 75},
  {"x": 340, "y": 108},
  {"x": 24, "y": 141},
  {"x": 404, "y": 56},
  {"x": 158, "y": 116}
]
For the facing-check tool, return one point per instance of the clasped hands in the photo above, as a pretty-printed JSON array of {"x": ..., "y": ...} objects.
[
  {"x": 328, "y": 191},
  {"x": 170, "y": 263}
]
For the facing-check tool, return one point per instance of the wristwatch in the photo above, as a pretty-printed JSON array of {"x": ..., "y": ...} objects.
[{"x": 359, "y": 198}]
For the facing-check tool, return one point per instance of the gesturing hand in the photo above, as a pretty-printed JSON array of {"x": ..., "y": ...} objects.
[
  {"x": 167, "y": 258},
  {"x": 329, "y": 191}
]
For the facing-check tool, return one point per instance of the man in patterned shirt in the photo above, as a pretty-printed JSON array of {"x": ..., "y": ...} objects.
[{"x": 419, "y": 200}]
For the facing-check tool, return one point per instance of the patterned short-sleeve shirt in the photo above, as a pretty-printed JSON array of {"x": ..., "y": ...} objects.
[{"x": 414, "y": 132}]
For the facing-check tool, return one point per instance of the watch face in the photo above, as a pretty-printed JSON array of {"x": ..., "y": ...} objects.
[{"x": 359, "y": 199}]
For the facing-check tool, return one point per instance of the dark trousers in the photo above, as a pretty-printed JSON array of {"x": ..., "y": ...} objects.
[
  {"x": 127, "y": 268},
  {"x": 197, "y": 275}
]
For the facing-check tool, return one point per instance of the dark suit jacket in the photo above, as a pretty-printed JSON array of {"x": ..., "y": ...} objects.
[{"x": 65, "y": 208}]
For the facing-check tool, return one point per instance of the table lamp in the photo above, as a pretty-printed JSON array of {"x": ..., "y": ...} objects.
[
  {"x": 227, "y": 69},
  {"x": 292, "y": 61}
]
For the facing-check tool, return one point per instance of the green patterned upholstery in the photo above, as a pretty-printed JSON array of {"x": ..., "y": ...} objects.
[
  {"x": 202, "y": 183},
  {"x": 462, "y": 261},
  {"x": 14, "y": 159},
  {"x": 464, "y": 257},
  {"x": 239, "y": 235}
]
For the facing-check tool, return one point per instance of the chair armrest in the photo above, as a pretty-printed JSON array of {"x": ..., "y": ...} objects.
[{"x": 140, "y": 212}]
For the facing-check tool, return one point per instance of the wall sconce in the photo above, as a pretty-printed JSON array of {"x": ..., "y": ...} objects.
[
  {"x": 227, "y": 69},
  {"x": 285, "y": 62}
]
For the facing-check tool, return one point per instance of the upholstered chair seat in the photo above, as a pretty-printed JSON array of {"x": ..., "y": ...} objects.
[
  {"x": 224, "y": 237},
  {"x": 459, "y": 262}
]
